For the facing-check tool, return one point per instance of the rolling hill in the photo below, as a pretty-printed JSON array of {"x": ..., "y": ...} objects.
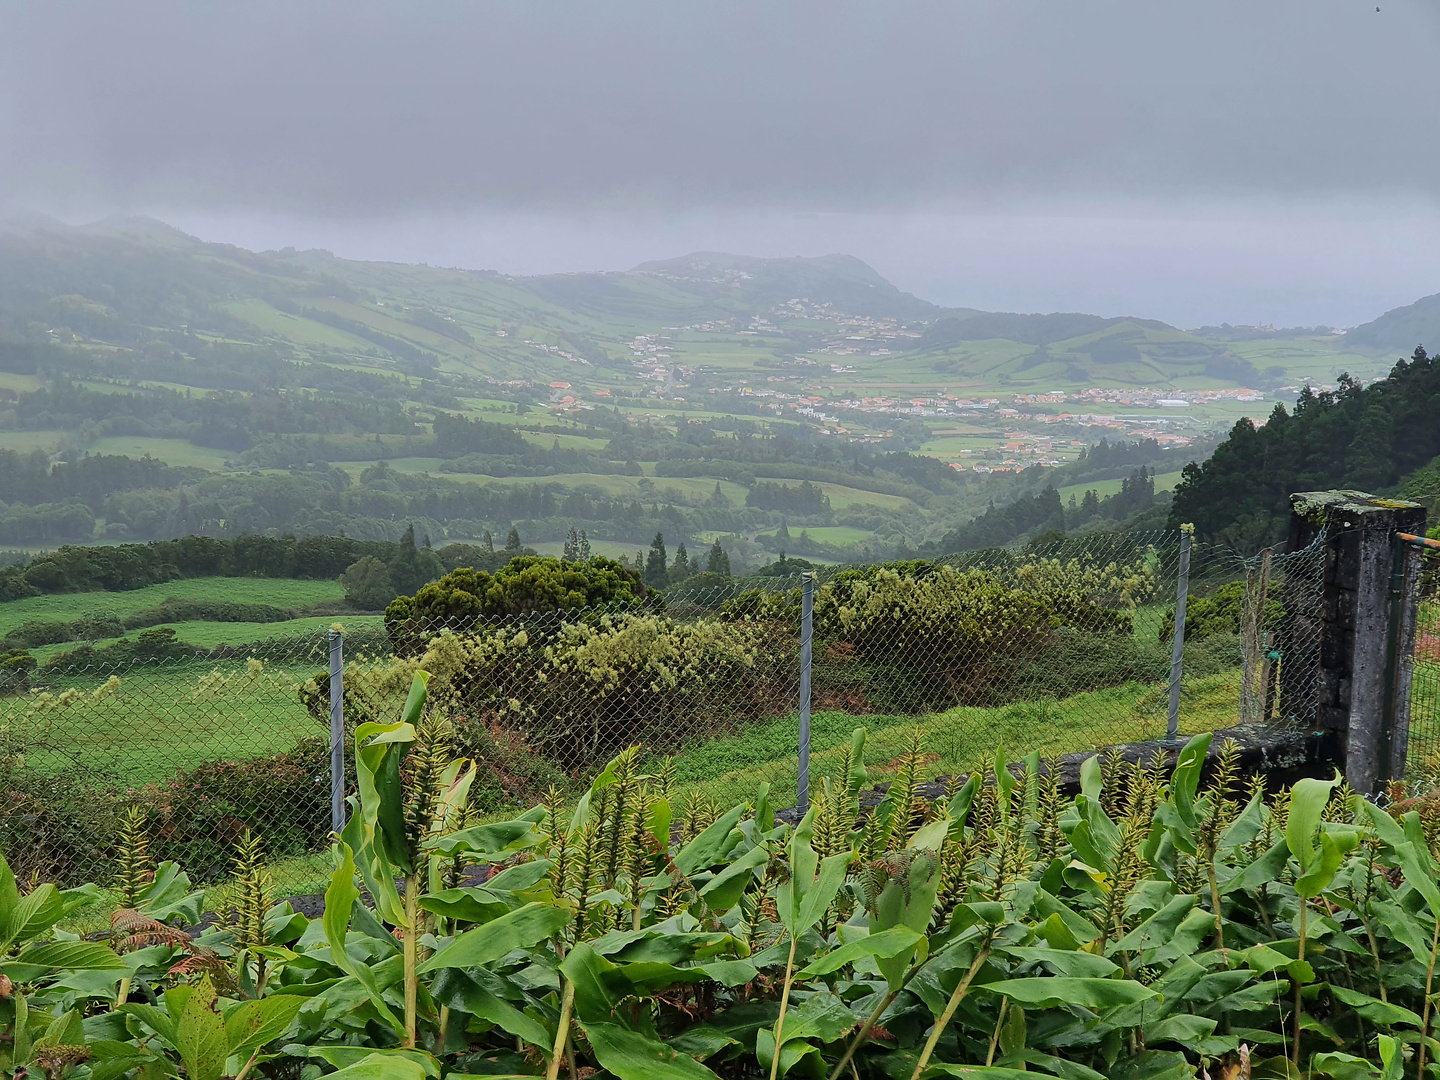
[{"x": 297, "y": 391}]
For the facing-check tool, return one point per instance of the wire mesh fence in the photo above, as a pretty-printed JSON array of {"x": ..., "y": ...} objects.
[
  {"x": 1424, "y": 699},
  {"x": 1054, "y": 648}
]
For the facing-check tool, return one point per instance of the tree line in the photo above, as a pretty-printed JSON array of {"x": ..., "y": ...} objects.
[{"x": 1364, "y": 437}]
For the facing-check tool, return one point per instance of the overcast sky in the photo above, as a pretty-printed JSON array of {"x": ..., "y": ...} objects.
[{"x": 1242, "y": 160}]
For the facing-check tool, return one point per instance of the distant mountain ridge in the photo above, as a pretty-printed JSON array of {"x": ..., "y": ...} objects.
[{"x": 1400, "y": 329}]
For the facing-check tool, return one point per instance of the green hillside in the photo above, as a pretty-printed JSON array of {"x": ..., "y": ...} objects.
[{"x": 222, "y": 391}]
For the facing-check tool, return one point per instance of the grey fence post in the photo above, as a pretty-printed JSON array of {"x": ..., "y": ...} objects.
[
  {"x": 807, "y": 627},
  {"x": 1177, "y": 651},
  {"x": 337, "y": 730}
]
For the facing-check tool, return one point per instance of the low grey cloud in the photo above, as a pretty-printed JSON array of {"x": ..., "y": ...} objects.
[{"x": 361, "y": 108}]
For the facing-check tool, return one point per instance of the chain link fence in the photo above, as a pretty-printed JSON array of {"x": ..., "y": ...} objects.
[
  {"x": 1424, "y": 700},
  {"x": 1055, "y": 648}
]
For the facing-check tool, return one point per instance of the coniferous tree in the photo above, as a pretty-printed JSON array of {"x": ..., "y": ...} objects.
[
  {"x": 718, "y": 561},
  {"x": 680, "y": 569},
  {"x": 582, "y": 548},
  {"x": 657, "y": 573}
]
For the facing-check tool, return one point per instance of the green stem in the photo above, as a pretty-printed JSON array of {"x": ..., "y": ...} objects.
[
  {"x": 1215, "y": 904},
  {"x": 124, "y": 991},
  {"x": 444, "y": 1026},
  {"x": 870, "y": 1022},
  {"x": 1425, "y": 1016},
  {"x": 412, "y": 936},
  {"x": 950, "y": 1007},
  {"x": 248, "y": 1066},
  {"x": 562, "y": 1030},
  {"x": 1304, "y": 908},
  {"x": 995, "y": 1035},
  {"x": 784, "y": 1001}
]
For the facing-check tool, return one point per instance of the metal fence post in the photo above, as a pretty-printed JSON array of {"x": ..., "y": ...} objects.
[
  {"x": 337, "y": 730},
  {"x": 807, "y": 627},
  {"x": 1177, "y": 651}
]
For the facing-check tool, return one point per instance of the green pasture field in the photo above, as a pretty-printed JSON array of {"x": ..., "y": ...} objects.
[
  {"x": 841, "y": 497},
  {"x": 281, "y": 592},
  {"x": 21, "y": 384},
  {"x": 170, "y": 451},
  {"x": 1102, "y": 488},
  {"x": 269, "y": 320},
  {"x": 167, "y": 716},
  {"x": 547, "y": 439},
  {"x": 26, "y": 441},
  {"x": 840, "y": 535}
]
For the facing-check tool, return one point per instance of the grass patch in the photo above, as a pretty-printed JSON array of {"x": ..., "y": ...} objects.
[
  {"x": 170, "y": 451},
  {"x": 280, "y": 592},
  {"x": 959, "y": 740}
]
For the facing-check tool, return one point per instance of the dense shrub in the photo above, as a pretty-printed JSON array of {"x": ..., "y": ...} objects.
[
  {"x": 581, "y": 689},
  {"x": 1220, "y": 613},
  {"x": 914, "y": 636},
  {"x": 528, "y": 583},
  {"x": 198, "y": 814},
  {"x": 53, "y": 825},
  {"x": 149, "y": 646}
]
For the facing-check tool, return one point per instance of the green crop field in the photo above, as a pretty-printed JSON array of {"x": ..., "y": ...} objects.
[{"x": 280, "y": 592}]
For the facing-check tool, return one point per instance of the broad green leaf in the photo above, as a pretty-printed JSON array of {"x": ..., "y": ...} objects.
[
  {"x": 1186, "y": 777},
  {"x": 1056, "y": 992},
  {"x": 1392, "y": 1061},
  {"x": 1187, "y": 1029},
  {"x": 500, "y": 840},
  {"x": 1307, "y": 803},
  {"x": 340, "y": 898},
  {"x": 200, "y": 1034},
  {"x": 383, "y": 1066},
  {"x": 342, "y": 1057},
  {"x": 459, "y": 991},
  {"x": 590, "y": 973},
  {"x": 36, "y": 913},
  {"x": 1415, "y": 861},
  {"x": 981, "y": 1072},
  {"x": 74, "y": 955},
  {"x": 154, "y": 1017},
  {"x": 1373, "y": 1009},
  {"x": 664, "y": 944},
  {"x": 169, "y": 896},
  {"x": 723, "y": 891},
  {"x": 632, "y": 1056},
  {"x": 9, "y": 899},
  {"x": 711, "y": 845},
  {"x": 909, "y": 903},
  {"x": 1158, "y": 929},
  {"x": 962, "y": 800},
  {"x": 821, "y": 893},
  {"x": 518, "y": 929},
  {"x": 252, "y": 1024},
  {"x": 930, "y": 836},
  {"x": 1263, "y": 871},
  {"x": 1340, "y": 1066},
  {"x": 472, "y": 904},
  {"x": 1334, "y": 846},
  {"x": 821, "y": 1016},
  {"x": 380, "y": 748},
  {"x": 1066, "y": 963},
  {"x": 657, "y": 822},
  {"x": 885, "y": 944}
]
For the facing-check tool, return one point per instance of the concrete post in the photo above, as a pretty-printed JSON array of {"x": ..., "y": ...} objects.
[{"x": 1354, "y": 625}]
